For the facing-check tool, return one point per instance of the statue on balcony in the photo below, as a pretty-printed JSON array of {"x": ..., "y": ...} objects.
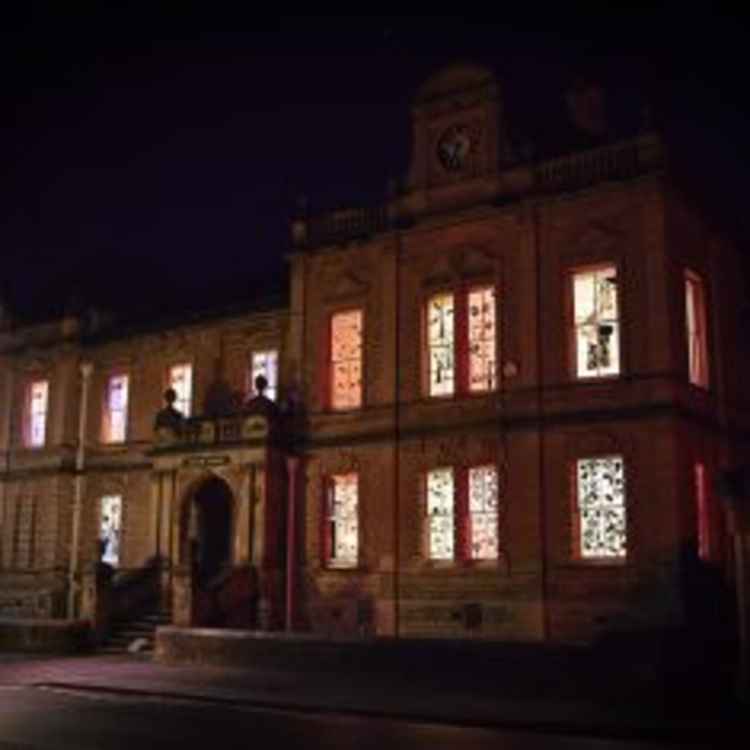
[{"x": 169, "y": 417}]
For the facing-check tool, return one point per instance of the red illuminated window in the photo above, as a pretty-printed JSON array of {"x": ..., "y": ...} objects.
[
  {"x": 461, "y": 508},
  {"x": 342, "y": 521},
  {"x": 181, "y": 380},
  {"x": 116, "y": 409},
  {"x": 695, "y": 324},
  {"x": 346, "y": 360},
  {"x": 461, "y": 335},
  {"x": 596, "y": 322},
  {"x": 35, "y": 414}
]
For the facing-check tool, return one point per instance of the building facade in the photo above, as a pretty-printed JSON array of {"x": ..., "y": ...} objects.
[{"x": 493, "y": 408}]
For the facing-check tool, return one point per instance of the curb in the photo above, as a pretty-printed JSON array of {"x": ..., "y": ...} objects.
[{"x": 677, "y": 734}]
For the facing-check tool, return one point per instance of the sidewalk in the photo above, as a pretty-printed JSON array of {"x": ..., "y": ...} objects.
[{"x": 429, "y": 698}]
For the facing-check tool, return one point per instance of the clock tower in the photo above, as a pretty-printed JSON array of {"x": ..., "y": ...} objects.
[{"x": 459, "y": 140}]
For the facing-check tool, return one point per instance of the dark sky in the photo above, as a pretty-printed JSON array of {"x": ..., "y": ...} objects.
[{"x": 151, "y": 165}]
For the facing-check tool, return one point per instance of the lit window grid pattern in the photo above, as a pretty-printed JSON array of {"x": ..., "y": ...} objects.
[
  {"x": 695, "y": 320},
  {"x": 601, "y": 508},
  {"x": 483, "y": 512},
  {"x": 110, "y": 525},
  {"x": 266, "y": 364},
  {"x": 596, "y": 321},
  {"x": 117, "y": 407},
  {"x": 441, "y": 514},
  {"x": 38, "y": 400},
  {"x": 181, "y": 379},
  {"x": 441, "y": 344},
  {"x": 346, "y": 360},
  {"x": 343, "y": 519},
  {"x": 482, "y": 340}
]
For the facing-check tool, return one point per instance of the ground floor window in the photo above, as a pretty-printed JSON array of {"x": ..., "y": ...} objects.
[
  {"x": 342, "y": 522},
  {"x": 110, "y": 520}
]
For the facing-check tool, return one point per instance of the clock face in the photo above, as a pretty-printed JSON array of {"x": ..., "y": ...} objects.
[{"x": 454, "y": 147}]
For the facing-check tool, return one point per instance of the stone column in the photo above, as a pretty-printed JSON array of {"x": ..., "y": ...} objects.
[{"x": 292, "y": 464}]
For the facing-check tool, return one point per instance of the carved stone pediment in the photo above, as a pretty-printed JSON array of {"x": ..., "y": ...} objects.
[
  {"x": 596, "y": 238},
  {"x": 340, "y": 284}
]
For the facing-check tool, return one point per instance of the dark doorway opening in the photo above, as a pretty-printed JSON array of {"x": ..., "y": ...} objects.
[{"x": 211, "y": 543}]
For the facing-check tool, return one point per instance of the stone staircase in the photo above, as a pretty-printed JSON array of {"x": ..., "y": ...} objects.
[{"x": 126, "y": 633}]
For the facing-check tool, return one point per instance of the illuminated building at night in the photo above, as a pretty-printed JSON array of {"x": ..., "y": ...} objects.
[{"x": 494, "y": 408}]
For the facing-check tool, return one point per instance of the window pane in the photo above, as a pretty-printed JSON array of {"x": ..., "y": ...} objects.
[
  {"x": 346, "y": 360},
  {"x": 109, "y": 528},
  {"x": 441, "y": 344},
  {"x": 440, "y": 513},
  {"x": 344, "y": 521},
  {"x": 702, "y": 512},
  {"x": 482, "y": 340},
  {"x": 117, "y": 397},
  {"x": 181, "y": 379},
  {"x": 695, "y": 320},
  {"x": 267, "y": 365},
  {"x": 483, "y": 512},
  {"x": 601, "y": 507},
  {"x": 38, "y": 395},
  {"x": 596, "y": 321}
]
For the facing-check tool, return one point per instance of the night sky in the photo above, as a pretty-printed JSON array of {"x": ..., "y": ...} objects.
[{"x": 151, "y": 166}]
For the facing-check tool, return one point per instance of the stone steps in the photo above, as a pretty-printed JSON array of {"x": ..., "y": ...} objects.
[{"x": 125, "y": 634}]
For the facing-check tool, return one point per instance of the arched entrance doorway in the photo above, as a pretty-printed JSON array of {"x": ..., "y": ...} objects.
[{"x": 209, "y": 529}]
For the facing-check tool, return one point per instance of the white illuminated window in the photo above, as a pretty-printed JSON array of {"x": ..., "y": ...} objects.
[
  {"x": 441, "y": 514},
  {"x": 600, "y": 507},
  {"x": 441, "y": 342},
  {"x": 110, "y": 518},
  {"x": 695, "y": 321},
  {"x": 596, "y": 322},
  {"x": 346, "y": 360},
  {"x": 343, "y": 521},
  {"x": 181, "y": 379},
  {"x": 265, "y": 364},
  {"x": 36, "y": 413},
  {"x": 483, "y": 513},
  {"x": 116, "y": 410}
]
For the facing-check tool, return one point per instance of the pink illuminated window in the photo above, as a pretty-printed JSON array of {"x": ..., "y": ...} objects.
[
  {"x": 346, "y": 360},
  {"x": 343, "y": 521},
  {"x": 483, "y": 543},
  {"x": 35, "y": 427},
  {"x": 702, "y": 512},
  {"x": 695, "y": 321},
  {"x": 596, "y": 322},
  {"x": 181, "y": 379},
  {"x": 267, "y": 364},
  {"x": 441, "y": 514},
  {"x": 116, "y": 410},
  {"x": 482, "y": 339}
]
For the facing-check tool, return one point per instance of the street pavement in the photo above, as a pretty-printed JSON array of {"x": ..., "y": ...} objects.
[{"x": 420, "y": 698}]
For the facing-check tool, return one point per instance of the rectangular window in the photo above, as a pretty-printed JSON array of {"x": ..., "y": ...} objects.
[
  {"x": 441, "y": 343},
  {"x": 116, "y": 411},
  {"x": 695, "y": 321},
  {"x": 36, "y": 413},
  {"x": 600, "y": 506},
  {"x": 483, "y": 543},
  {"x": 596, "y": 322},
  {"x": 181, "y": 379},
  {"x": 482, "y": 340},
  {"x": 346, "y": 360},
  {"x": 702, "y": 512},
  {"x": 441, "y": 514},
  {"x": 266, "y": 364},
  {"x": 110, "y": 517},
  {"x": 343, "y": 521}
]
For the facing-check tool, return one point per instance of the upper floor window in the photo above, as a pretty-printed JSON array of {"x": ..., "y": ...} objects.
[
  {"x": 110, "y": 518},
  {"x": 265, "y": 363},
  {"x": 181, "y": 380},
  {"x": 596, "y": 322},
  {"x": 462, "y": 513},
  {"x": 346, "y": 360},
  {"x": 461, "y": 333},
  {"x": 35, "y": 422},
  {"x": 600, "y": 508},
  {"x": 342, "y": 521},
  {"x": 695, "y": 323},
  {"x": 116, "y": 409}
]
